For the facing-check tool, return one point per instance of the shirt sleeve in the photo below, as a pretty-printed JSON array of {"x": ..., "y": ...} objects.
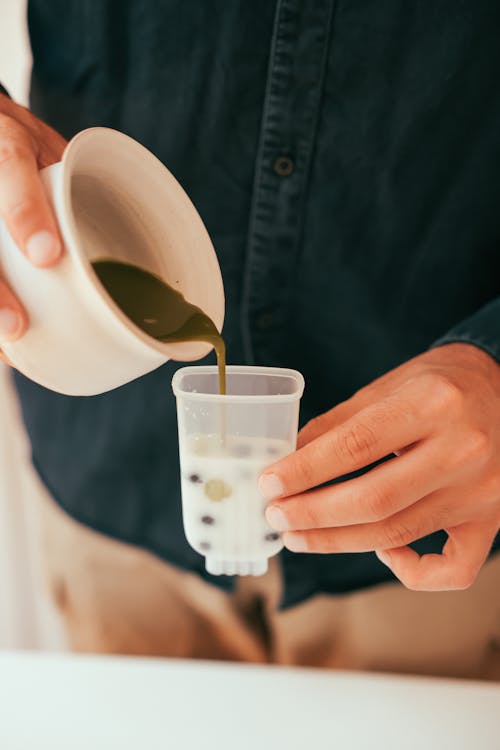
[{"x": 481, "y": 329}]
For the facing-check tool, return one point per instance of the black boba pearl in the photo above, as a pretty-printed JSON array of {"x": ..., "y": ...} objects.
[
  {"x": 195, "y": 478},
  {"x": 205, "y": 546},
  {"x": 273, "y": 536},
  {"x": 208, "y": 520}
]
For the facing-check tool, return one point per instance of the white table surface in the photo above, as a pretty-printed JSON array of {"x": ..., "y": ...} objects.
[{"x": 75, "y": 702}]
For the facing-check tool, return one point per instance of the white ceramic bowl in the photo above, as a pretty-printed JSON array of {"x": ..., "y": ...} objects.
[{"x": 112, "y": 199}]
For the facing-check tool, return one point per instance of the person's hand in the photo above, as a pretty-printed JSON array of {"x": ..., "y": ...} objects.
[
  {"x": 26, "y": 146},
  {"x": 440, "y": 414}
]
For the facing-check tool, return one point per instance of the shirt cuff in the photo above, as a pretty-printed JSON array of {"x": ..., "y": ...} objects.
[{"x": 482, "y": 330}]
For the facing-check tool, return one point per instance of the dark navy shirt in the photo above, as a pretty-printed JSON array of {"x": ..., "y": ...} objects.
[{"x": 345, "y": 157}]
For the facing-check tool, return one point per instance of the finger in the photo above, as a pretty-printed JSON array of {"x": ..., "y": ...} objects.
[
  {"x": 51, "y": 144},
  {"x": 48, "y": 140},
  {"x": 432, "y": 513},
  {"x": 362, "y": 398},
  {"x": 330, "y": 419},
  {"x": 456, "y": 567},
  {"x": 13, "y": 319},
  {"x": 382, "y": 492},
  {"x": 376, "y": 431},
  {"x": 24, "y": 204}
]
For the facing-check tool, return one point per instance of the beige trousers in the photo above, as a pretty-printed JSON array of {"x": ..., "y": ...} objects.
[{"x": 115, "y": 598}]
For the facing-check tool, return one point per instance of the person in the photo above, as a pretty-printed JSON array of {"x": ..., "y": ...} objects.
[{"x": 343, "y": 156}]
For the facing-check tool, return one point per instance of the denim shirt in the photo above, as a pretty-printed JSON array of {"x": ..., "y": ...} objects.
[{"x": 345, "y": 157}]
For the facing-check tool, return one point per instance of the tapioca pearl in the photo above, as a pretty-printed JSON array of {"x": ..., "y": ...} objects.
[
  {"x": 217, "y": 490},
  {"x": 272, "y": 536},
  {"x": 208, "y": 520},
  {"x": 205, "y": 546},
  {"x": 195, "y": 478}
]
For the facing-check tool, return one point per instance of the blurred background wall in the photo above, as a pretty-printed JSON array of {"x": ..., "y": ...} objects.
[{"x": 27, "y": 619}]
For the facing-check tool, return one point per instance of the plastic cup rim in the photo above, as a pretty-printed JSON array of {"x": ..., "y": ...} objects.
[{"x": 239, "y": 398}]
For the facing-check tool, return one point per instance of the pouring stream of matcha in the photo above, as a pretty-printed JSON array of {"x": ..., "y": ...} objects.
[{"x": 157, "y": 308}]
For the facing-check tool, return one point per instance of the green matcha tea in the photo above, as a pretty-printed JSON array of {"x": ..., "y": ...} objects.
[{"x": 161, "y": 311}]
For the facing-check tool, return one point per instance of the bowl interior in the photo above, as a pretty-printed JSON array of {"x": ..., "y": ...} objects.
[{"x": 124, "y": 204}]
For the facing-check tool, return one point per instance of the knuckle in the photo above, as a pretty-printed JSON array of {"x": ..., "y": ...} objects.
[
  {"x": 397, "y": 535},
  {"x": 439, "y": 513},
  {"x": 478, "y": 445},
  {"x": 316, "y": 422},
  {"x": 22, "y": 211},
  {"x": 314, "y": 427},
  {"x": 445, "y": 395},
  {"x": 357, "y": 442},
  {"x": 475, "y": 447},
  {"x": 303, "y": 472},
  {"x": 11, "y": 151},
  {"x": 310, "y": 515},
  {"x": 378, "y": 503},
  {"x": 316, "y": 542}
]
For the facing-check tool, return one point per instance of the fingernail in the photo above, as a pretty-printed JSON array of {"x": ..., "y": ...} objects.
[
  {"x": 10, "y": 323},
  {"x": 276, "y": 518},
  {"x": 295, "y": 542},
  {"x": 384, "y": 557},
  {"x": 42, "y": 248},
  {"x": 270, "y": 486}
]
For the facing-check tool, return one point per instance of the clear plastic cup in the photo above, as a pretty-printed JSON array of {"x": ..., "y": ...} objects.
[{"x": 225, "y": 442}]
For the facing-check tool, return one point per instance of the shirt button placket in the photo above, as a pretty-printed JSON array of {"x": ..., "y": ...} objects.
[{"x": 300, "y": 38}]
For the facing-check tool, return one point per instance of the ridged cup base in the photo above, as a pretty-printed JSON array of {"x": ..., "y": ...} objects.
[{"x": 236, "y": 567}]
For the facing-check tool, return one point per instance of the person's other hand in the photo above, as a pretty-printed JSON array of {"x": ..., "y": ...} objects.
[
  {"x": 440, "y": 414},
  {"x": 26, "y": 146}
]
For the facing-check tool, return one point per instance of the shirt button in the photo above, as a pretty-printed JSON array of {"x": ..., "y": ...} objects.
[
  {"x": 264, "y": 320},
  {"x": 283, "y": 166}
]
